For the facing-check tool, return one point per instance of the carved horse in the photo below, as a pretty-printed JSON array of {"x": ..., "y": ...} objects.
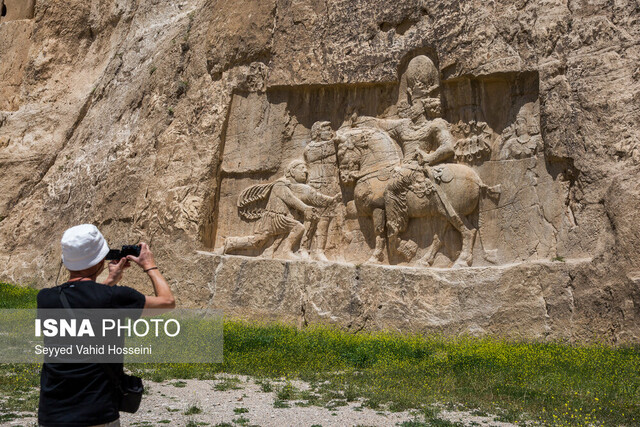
[{"x": 391, "y": 192}]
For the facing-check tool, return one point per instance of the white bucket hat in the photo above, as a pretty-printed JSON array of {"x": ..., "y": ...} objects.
[{"x": 83, "y": 246}]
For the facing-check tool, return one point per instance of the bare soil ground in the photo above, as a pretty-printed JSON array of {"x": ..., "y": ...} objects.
[{"x": 242, "y": 401}]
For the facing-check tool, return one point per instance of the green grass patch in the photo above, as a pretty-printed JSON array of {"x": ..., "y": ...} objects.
[
  {"x": 265, "y": 386},
  {"x": 17, "y": 296},
  {"x": 553, "y": 383},
  {"x": 281, "y": 404},
  {"x": 241, "y": 421},
  {"x": 193, "y": 410},
  {"x": 227, "y": 384},
  {"x": 287, "y": 392}
]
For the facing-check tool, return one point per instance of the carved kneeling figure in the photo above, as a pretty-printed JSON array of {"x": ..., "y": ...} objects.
[{"x": 276, "y": 220}]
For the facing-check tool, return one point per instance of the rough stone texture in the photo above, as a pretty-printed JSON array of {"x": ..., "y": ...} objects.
[
  {"x": 16, "y": 37},
  {"x": 544, "y": 300},
  {"x": 120, "y": 113}
]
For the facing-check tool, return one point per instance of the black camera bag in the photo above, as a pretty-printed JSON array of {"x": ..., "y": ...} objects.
[{"x": 128, "y": 388}]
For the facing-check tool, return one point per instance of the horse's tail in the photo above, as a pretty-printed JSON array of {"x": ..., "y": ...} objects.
[{"x": 492, "y": 192}]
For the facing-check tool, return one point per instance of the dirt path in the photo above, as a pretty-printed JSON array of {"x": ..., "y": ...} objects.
[{"x": 241, "y": 401}]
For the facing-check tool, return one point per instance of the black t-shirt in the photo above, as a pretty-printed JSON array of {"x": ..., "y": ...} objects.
[{"x": 81, "y": 394}]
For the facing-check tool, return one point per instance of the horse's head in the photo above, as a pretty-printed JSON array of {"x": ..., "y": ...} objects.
[{"x": 350, "y": 151}]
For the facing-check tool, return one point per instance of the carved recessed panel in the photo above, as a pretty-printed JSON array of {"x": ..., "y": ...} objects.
[
  {"x": 422, "y": 172},
  {"x": 13, "y": 10}
]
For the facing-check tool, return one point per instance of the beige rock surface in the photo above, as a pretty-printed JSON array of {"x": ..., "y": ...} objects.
[
  {"x": 542, "y": 300},
  {"x": 148, "y": 119}
]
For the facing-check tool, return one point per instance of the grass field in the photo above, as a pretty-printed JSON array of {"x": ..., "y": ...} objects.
[{"x": 552, "y": 383}]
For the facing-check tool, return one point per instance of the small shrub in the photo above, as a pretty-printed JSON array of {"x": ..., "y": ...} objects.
[
  {"x": 265, "y": 386},
  {"x": 242, "y": 421},
  {"x": 227, "y": 384},
  {"x": 287, "y": 392},
  {"x": 193, "y": 410},
  {"x": 280, "y": 404}
]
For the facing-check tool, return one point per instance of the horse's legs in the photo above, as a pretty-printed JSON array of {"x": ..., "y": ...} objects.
[
  {"x": 378, "y": 227},
  {"x": 392, "y": 244},
  {"x": 404, "y": 249},
  {"x": 436, "y": 245},
  {"x": 468, "y": 232}
]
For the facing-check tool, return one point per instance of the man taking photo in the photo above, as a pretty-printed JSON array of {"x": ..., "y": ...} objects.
[{"x": 82, "y": 394}]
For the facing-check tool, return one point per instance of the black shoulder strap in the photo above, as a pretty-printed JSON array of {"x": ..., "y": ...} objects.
[{"x": 65, "y": 301}]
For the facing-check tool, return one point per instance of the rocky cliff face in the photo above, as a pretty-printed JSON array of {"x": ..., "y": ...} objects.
[{"x": 148, "y": 118}]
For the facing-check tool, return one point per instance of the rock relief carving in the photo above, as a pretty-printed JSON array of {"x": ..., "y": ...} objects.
[
  {"x": 474, "y": 144},
  {"x": 412, "y": 165},
  {"x": 392, "y": 188},
  {"x": 522, "y": 139},
  {"x": 277, "y": 222},
  {"x": 320, "y": 157}
]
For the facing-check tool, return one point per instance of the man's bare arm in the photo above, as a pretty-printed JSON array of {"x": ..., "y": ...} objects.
[
  {"x": 116, "y": 269},
  {"x": 444, "y": 141},
  {"x": 392, "y": 126},
  {"x": 164, "y": 297},
  {"x": 316, "y": 198},
  {"x": 290, "y": 199}
]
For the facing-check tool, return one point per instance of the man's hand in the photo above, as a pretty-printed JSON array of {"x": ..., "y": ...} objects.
[
  {"x": 145, "y": 259},
  {"x": 310, "y": 214},
  {"x": 337, "y": 198},
  {"x": 424, "y": 159},
  {"x": 116, "y": 268},
  {"x": 164, "y": 297}
]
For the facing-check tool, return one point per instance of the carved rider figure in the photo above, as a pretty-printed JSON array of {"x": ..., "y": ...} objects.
[
  {"x": 277, "y": 220},
  {"x": 421, "y": 132},
  {"x": 423, "y": 135},
  {"x": 320, "y": 155}
]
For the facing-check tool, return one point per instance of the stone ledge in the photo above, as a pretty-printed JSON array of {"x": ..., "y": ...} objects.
[{"x": 527, "y": 300}]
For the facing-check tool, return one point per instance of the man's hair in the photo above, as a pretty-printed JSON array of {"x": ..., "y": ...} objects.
[
  {"x": 316, "y": 128},
  {"x": 291, "y": 166}
]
